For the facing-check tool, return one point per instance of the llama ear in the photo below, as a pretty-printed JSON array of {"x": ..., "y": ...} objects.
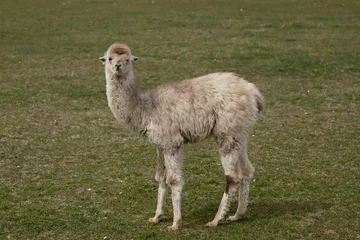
[
  {"x": 134, "y": 59},
  {"x": 103, "y": 59}
]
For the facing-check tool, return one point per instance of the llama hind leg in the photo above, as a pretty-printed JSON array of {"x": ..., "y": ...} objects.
[
  {"x": 231, "y": 168},
  {"x": 246, "y": 174},
  {"x": 161, "y": 178}
]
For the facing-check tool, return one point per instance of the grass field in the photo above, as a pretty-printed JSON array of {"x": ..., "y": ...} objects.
[{"x": 69, "y": 171}]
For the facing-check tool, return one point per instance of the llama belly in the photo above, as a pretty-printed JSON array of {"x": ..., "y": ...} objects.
[
  {"x": 199, "y": 129},
  {"x": 178, "y": 133}
]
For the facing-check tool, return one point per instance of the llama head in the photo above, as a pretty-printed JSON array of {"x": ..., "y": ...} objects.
[{"x": 118, "y": 59}]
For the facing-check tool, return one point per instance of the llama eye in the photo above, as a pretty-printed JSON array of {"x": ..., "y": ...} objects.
[{"x": 110, "y": 59}]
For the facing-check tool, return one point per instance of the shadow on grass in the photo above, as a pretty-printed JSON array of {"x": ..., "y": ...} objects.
[
  {"x": 276, "y": 209},
  {"x": 262, "y": 210}
]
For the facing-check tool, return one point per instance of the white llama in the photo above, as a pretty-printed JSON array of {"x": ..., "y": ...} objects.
[{"x": 219, "y": 104}]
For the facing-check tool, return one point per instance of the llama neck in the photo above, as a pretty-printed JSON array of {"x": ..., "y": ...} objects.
[{"x": 124, "y": 99}]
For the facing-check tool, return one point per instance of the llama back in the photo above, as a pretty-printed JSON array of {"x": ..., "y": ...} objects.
[{"x": 226, "y": 92}]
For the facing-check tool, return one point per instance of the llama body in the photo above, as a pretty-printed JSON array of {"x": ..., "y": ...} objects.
[{"x": 219, "y": 104}]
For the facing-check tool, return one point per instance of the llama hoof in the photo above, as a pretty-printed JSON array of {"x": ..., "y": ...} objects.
[
  {"x": 172, "y": 228},
  {"x": 211, "y": 224},
  {"x": 232, "y": 218},
  {"x": 154, "y": 220}
]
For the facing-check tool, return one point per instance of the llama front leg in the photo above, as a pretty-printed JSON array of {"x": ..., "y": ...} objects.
[
  {"x": 174, "y": 164},
  {"x": 176, "y": 190},
  {"x": 160, "y": 203},
  {"x": 161, "y": 178}
]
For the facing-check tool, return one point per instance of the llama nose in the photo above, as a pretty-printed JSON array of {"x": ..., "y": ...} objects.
[{"x": 118, "y": 65}]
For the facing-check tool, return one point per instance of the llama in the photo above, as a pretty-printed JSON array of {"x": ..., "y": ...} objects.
[{"x": 221, "y": 105}]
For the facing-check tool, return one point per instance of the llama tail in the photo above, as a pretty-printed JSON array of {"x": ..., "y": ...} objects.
[{"x": 260, "y": 102}]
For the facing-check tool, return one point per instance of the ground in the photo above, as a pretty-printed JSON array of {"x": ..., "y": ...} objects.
[{"x": 69, "y": 171}]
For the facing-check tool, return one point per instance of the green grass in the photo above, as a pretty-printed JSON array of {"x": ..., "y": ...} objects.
[{"x": 69, "y": 171}]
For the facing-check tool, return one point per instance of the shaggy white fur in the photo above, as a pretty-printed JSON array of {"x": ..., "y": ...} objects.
[{"x": 219, "y": 104}]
